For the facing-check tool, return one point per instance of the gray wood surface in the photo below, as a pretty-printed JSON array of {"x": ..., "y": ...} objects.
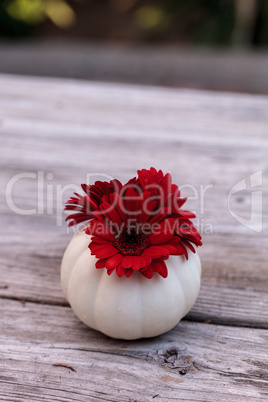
[{"x": 70, "y": 129}]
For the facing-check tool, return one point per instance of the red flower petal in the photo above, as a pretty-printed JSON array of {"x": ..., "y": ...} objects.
[
  {"x": 127, "y": 261},
  {"x": 185, "y": 214},
  {"x": 110, "y": 271},
  {"x": 147, "y": 272},
  {"x": 120, "y": 271},
  {"x": 136, "y": 263},
  {"x": 132, "y": 202},
  {"x": 163, "y": 233},
  {"x": 99, "y": 240},
  {"x": 147, "y": 257},
  {"x": 113, "y": 261},
  {"x": 102, "y": 251},
  {"x": 100, "y": 230},
  {"x": 157, "y": 251},
  {"x": 110, "y": 213},
  {"x": 189, "y": 245},
  {"x": 160, "y": 267},
  {"x": 143, "y": 262},
  {"x": 100, "y": 263},
  {"x": 128, "y": 272}
]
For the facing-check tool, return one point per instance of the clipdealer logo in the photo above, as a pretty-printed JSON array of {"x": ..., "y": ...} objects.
[
  {"x": 50, "y": 198},
  {"x": 254, "y": 183}
]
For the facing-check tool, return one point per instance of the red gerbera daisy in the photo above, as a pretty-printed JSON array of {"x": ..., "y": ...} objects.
[{"x": 136, "y": 226}]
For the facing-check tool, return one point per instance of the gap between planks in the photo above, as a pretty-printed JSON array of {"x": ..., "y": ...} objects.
[{"x": 190, "y": 317}]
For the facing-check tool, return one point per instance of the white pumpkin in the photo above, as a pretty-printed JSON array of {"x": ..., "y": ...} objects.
[{"x": 128, "y": 308}]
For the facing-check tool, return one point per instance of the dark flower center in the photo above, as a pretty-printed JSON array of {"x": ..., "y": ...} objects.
[{"x": 132, "y": 241}]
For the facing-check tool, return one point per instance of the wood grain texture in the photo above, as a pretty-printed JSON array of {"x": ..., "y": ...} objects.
[
  {"x": 68, "y": 129},
  {"x": 192, "y": 362}
]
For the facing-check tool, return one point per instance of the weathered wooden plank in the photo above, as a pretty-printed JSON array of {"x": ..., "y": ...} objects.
[
  {"x": 71, "y": 128},
  {"x": 187, "y": 363},
  {"x": 193, "y": 116},
  {"x": 234, "y": 294},
  {"x": 234, "y": 279}
]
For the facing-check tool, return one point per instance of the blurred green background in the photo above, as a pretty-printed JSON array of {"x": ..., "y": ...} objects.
[{"x": 188, "y": 22}]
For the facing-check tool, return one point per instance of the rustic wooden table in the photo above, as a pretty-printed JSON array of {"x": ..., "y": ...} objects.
[{"x": 55, "y": 132}]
